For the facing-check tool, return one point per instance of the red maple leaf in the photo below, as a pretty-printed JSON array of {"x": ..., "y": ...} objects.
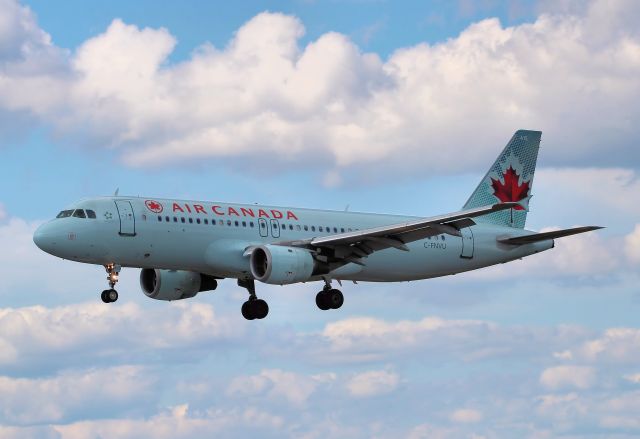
[
  {"x": 510, "y": 190},
  {"x": 154, "y": 206}
]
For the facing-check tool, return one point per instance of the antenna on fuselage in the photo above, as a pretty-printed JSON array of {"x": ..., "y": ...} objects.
[
  {"x": 115, "y": 194},
  {"x": 346, "y": 209}
]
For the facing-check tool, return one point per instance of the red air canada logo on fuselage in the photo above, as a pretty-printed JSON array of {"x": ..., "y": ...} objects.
[
  {"x": 225, "y": 210},
  {"x": 153, "y": 206}
]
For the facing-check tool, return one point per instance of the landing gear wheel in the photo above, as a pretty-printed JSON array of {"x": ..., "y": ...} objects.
[
  {"x": 109, "y": 296},
  {"x": 322, "y": 302},
  {"x": 334, "y": 298},
  {"x": 112, "y": 295},
  {"x": 255, "y": 309},
  {"x": 247, "y": 311}
]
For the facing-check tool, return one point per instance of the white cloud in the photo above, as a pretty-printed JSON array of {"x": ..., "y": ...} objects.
[
  {"x": 49, "y": 338},
  {"x": 558, "y": 377},
  {"x": 466, "y": 416},
  {"x": 46, "y": 400},
  {"x": 632, "y": 245},
  {"x": 616, "y": 345},
  {"x": 328, "y": 104},
  {"x": 276, "y": 384},
  {"x": 3, "y": 212},
  {"x": 373, "y": 383}
]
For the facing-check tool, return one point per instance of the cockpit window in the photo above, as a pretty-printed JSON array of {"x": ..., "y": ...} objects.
[
  {"x": 91, "y": 214},
  {"x": 65, "y": 214},
  {"x": 79, "y": 213}
]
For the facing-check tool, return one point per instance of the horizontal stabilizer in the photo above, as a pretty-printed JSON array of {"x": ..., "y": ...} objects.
[{"x": 537, "y": 237}]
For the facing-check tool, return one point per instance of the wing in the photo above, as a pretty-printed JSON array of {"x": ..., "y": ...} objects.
[
  {"x": 353, "y": 246},
  {"x": 537, "y": 237}
]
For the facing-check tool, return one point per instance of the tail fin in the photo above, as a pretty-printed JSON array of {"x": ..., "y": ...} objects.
[{"x": 509, "y": 179}]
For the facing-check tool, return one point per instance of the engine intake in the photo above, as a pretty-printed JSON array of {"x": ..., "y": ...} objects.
[
  {"x": 280, "y": 265},
  {"x": 173, "y": 284}
]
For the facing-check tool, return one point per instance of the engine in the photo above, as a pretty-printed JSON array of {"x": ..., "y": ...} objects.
[
  {"x": 280, "y": 265},
  {"x": 174, "y": 285}
]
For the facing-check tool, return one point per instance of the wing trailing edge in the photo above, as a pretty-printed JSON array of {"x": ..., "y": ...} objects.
[{"x": 545, "y": 236}]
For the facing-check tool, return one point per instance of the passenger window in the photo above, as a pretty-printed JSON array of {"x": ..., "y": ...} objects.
[
  {"x": 159, "y": 218},
  {"x": 206, "y": 221},
  {"x": 175, "y": 220},
  {"x": 298, "y": 227},
  {"x": 342, "y": 230},
  {"x": 250, "y": 223},
  {"x": 198, "y": 220},
  {"x": 263, "y": 225},
  {"x": 91, "y": 214},
  {"x": 228, "y": 222},
  {"x": 320, "y": 229},
  {"x": 79, "y": 213},
  {"x": 182, "y": 219},
  {"x": 306, "y": 228},
  {"x": 237, "y": 223},
  {"x": 190, "y": 220},
  {"x": 290, "y": 226},
  {"x": 313, "y": 228},
  {"x": 213, "y": 222},
  {"x": 335, "y": 230},
  {"x": 167, "y": 219},
  {"x": 350, "y": 230},
  {"x": 244, "y": 224}
]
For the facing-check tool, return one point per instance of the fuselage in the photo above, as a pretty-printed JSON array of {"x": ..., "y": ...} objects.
[{"x": 211, "y": 238}]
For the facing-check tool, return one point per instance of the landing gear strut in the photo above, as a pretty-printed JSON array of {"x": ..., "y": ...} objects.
[
  {"x": 253, "y": 308},
  {"x": 111, "y": 295},
  {"x": 329, "y": 298}
]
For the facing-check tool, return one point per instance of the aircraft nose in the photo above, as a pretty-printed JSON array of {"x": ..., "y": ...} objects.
[{"x": 43, "y": 238}]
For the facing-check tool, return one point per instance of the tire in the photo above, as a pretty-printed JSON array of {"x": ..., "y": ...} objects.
[
  {"x": 321, "y": 301},
  {"x": 335, "y": 299},
  {"x": 112, "y": 295},
  {"x": 248, "y": 311},
  {"x": 261, "y": 309},
  {"x": 104, "y": 297}
]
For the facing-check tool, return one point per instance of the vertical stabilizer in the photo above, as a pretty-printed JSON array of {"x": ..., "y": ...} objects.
[{"x": 509, "y": 179}]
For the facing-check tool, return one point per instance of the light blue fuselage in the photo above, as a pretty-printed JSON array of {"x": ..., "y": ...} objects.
[{"x": 127, "y": 232}]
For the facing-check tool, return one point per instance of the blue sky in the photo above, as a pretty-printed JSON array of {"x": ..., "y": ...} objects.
[{"x": 395, "y": 107}]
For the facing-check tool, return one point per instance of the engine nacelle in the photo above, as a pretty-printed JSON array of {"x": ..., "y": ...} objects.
[
  {"x": 173, "y": 284},
  {"x": 280, "y": 265}
]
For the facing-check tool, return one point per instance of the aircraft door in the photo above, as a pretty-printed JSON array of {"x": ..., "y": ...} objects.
[
  {"x": 467, "y": 243},
  {"x": 127, "y": 219},
  {"x": 263, "y": 227},
  {"x": 275, "y": 228}
]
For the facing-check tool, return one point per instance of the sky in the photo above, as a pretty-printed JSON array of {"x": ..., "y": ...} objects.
[{"x": 396, "y": 107}]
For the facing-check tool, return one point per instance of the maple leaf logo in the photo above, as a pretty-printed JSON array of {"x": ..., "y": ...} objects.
[
  {"x": 153, "y": 206},
  {"x": 510, "y": 190}
]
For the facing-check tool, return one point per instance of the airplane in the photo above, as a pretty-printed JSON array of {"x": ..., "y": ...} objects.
[{"x": 185, "y": 247}]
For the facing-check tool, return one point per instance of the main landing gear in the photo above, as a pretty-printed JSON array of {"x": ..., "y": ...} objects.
[
  {"x": 111, "y": 295},
  {"x": 329, "y": 298},
  {"x": 253, "y": 308}
]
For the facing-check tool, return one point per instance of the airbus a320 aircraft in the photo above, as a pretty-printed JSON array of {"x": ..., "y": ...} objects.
[{"x": 185, "y": 247}]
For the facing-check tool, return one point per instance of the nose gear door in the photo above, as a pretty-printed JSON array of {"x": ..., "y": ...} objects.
[{"x": 127, "y": 219}]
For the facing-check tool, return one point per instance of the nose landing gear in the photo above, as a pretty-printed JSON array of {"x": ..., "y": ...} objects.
[{"x": 111, "y": 295}]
